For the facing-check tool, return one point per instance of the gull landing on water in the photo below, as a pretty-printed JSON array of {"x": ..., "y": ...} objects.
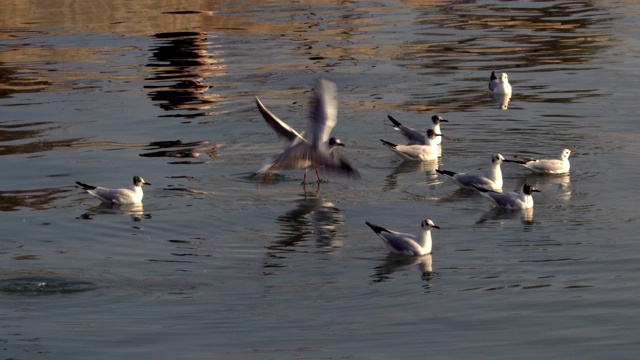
[
  {"x": 313, "y": 149},
  {"x": 560, "y": 165},
  {"x": 426, "y": 152},
  {"x": 418, "y": 137},
  {"x": 492, "y": 180},
  {"x": 407, "y": 244},
  {"x": 499, "y": 85},
  {"x": 118, "y": 196},
  {"x": 510, "y": 200}
]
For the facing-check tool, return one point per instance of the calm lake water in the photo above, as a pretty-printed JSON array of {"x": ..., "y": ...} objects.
[{"x": 214, "y": 265}]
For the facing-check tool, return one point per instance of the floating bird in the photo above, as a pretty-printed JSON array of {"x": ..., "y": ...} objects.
[
  {"x": 510, "y": 200},
  {"x": 492, "y": 180},
  {"x": 426, "y": 152},
  {"x": 118, "y": 196},
  {"x": 313, "y": 149},
  {"x": 560, "y": 165},
  {"x": 407, "y": 244},
  {"x": 418, "y": 137},
  {"x": 501, "y": 85}
]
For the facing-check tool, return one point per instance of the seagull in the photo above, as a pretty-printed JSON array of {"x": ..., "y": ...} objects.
[
  {"x": 418, "y": 137},
  {"x": 407, "y": 244},
  {"x": 492, "y": 180},
  {"x": 313, "y": 149},
  {"x": 499, "y": 86},
  {"x": 546, "y": 166},
  {"x": 510, "y": 200},
  {"x": 118, "y": 196},
  {"x": 416, "y": 152}
]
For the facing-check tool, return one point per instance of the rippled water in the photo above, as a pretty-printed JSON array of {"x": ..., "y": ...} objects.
[{"x": 214, "y": 265}]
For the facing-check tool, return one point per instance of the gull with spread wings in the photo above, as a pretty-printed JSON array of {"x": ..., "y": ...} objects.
[{"x": 314, "y": 148}]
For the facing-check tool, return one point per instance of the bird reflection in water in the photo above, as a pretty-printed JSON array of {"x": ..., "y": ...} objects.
[
  {"x": 394, "y": 262},
  {"x": 561, "y": 183},
  {"x": 184, "y": 64},
  {"x": 405, "y": 167},
  {"x": 497, "y": 213},
  {"x": 312, "y": 218},
  {"x": 135, "y": 211}
]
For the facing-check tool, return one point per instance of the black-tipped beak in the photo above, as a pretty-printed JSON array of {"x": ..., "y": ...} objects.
[
  {"x": 535, "y": 190},
  {"x": 445, "y": 120},
  {"x": 438, "y": 134},
  {"x": 146, "y": 183},
  {"x": 436, "y": 227}
]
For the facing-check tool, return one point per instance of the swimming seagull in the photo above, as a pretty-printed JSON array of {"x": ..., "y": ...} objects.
[
  {"x": 510, "y": 200},
  {"x": 492, "y": 180},
  {"x": 416, "y": 152},
  {"x": 313, "y": 148},
  {"x": 418, "y": 137},
  {"x": 560, "y": 165},
  {"x": 499, "y": 85},
  {"x": 407, "y": 244},
  {"x": 118, "y": 196}
]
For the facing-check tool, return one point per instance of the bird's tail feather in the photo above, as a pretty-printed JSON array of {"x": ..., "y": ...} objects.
[
  {"x": 85, "y": 186},
  {"x": 389, "y": 144},
  {"x": 395, "y": 122},
  {"x": 445, "y": 172},
  {"x": 377, "y": 229}
]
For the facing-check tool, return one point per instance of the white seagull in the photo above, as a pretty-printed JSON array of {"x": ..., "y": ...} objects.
[
  {"x": 426, "y": 152},
  {"x": 560, "y": 165},
  {"x": 492, "y": 180},
  {"x": 407, "y": 244},
  {"x": 313, "y": 149},
  {"x": 418, "y": 137},
  {"x": 501, "y": 85},
  {"x": 118, "y": 196},
  {"x": 511, "y": 200}
]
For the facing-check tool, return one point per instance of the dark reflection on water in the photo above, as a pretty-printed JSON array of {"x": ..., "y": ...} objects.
[
  {"x": 182, "y": 67},
  {"x": 546, "y": 36},
  {"x": 497, "y": 213},
  {"x": 551, "y": 34},
  {"x": 13, "y": 132},
  {"x": 406, "y": 167},
  {"x": 135, "y": 211},
  {"x": 394, "y": 262},
  {"x": 44, "y": 285},
  {"x": 13, "y": 80},
  {"x": 312, "y": 218},
  {"x": 39, "y": 199}
]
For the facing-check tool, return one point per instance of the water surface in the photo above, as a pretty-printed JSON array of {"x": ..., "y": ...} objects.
[{"x": 214, "y": 264}]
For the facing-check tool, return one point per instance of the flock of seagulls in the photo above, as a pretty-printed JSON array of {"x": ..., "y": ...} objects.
[{"x": 315, "y": 149}]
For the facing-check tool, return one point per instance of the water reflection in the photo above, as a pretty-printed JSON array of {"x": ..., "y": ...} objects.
[
  {"x": 184, "y": 67},
  {"x": 38, "y": 199},
  {"x": 135, "y": 211},
  {"x": 498, "y": 213},
  {"x": 477, "y": 37},
  {"x": 44, "y": 284},
  {"x": 18, "y": 132},
  {"x": 428, "y": 167},
  {"x": 394, "y": 262},
  {"x": 312, "y": 218},
  {"x": 562, "y": 182}
]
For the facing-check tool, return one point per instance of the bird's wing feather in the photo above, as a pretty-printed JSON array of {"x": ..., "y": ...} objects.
[
  {"x": 279, "y": 126},
  {"x": 400, "y": 242},
  {"x": 324, "y": 112}
]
